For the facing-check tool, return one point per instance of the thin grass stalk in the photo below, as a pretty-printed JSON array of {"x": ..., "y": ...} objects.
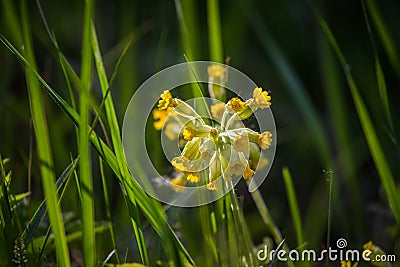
[
  {"x": 329, "y": 175},
  {"x": 246, "y": 245},
  {"x": 43, "y": 146},
  {"x": 107, "y": 208},
  {"x": 85, "y": 173}
]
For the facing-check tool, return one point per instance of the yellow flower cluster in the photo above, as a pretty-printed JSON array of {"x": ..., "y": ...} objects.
[{"x": 210, "y": 153}]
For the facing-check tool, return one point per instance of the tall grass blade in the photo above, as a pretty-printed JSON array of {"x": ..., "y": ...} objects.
[
  {"x": 43, "y": 146},
  {"x": 117, "y": 143},
  {"x": 214, "y": 31},
  {"x": 85, "y": 173},
  {"x": 215, "y": 45},
  {"x": 187, "y": 32},
  {"x": 374, "y": 145},
  {"x": 380, "y": 76},
  {"x": 385, "y": 36}
]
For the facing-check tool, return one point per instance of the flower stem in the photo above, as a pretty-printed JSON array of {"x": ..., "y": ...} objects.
[
  {"x": 266, "y": 217},
  {"x": 241, "y": 228}
]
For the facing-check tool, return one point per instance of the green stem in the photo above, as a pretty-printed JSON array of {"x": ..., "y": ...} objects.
[
  {"x": 241, "y": 228},
  {"x": 266, "y": 217},
  {"x": 87, "y": 201}
]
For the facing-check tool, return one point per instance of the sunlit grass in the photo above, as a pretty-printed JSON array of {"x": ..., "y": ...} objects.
[{"x": 220, "y": 233}]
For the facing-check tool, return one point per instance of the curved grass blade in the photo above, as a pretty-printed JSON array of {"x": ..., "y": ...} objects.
[
  {"x": 385, "y": 36},
  {"x": 43, "y": 145},
  {"x": 116, "y": 140},
  {"x": 370, "y": 134},
  {"x": 380, "y": 76}
]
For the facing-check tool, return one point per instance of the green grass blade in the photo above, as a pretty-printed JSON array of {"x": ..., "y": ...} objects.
[
  {"x": 385, "y": 36},
  {"x": 374, "y": 145},
  {"x": 85, "y": 175},
  {"x": 214, "y": 31},
  {"x": 187, "y": 36},
  {"x": 151, "y": 209},
  {"x": 43, "y": 146},
  {"x": 380, "y": 76},
  {"x": 117, "y": 143},
  {"x": 294, "y": 208},
  {"x": 215, "y": 44}
]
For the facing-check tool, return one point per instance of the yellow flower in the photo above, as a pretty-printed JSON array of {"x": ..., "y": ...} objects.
[
  {"x": 178, "y": 183},
  {"x": 345, "y": 264},
  {"x": 160, "y": 116},
  {"x": 217, "y": 110},
  {"x": 264, "y": 140},
  {"x": 193, "y": 177},
  {"x": 248, "y": 173},
  {"x": 236, "y": 105},
  {"x": 216, "y": 71},
  {"x": 241, "y": 143},
  {"x": 262, "y": 99},
  {"x": 189, "y": 133},
  {"x": 166, "y": 101}
]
